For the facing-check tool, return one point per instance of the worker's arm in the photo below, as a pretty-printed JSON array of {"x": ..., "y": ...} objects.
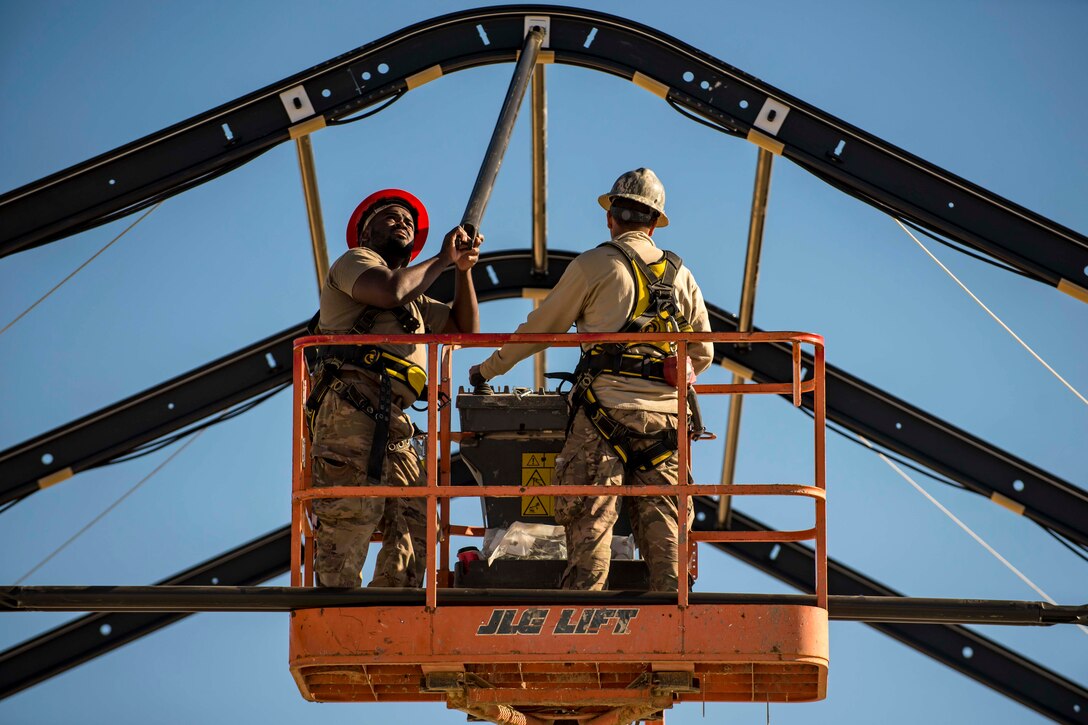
[
  {"x": 556, "y": 313},
  {"x": 700, "y": 354},
  {"x": 464, "y": 312},
  {"x": 387, "y": 288}
]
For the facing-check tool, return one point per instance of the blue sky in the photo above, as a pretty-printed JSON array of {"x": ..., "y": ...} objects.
[{"x": 992, "y": 91}]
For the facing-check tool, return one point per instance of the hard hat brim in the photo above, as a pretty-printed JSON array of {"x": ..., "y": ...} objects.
[{"x": 605, "y": 200}]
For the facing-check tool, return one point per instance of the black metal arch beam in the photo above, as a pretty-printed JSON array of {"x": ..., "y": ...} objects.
[
  {"x": 997, "y": 667},
  {"x": 858, "y": 163},
  {"x": 853, "y": 403}
]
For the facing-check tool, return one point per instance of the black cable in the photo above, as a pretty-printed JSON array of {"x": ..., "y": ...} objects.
[
  {"x": 228, "y": 415},
  {"x": 870, "y": 200},
  {"x": 1077, "y": 551},
  {"x": 155, "y": 199},
  {"x": 956, "y": 246},
  {"x": 835, "y": 428},
  {"x": 963, "y": 250},
  {"x": 11, "y": 503},
  {"x": 368, "y": 114},
  {"x": 191, "y": 183},
  {"x": 896, "y": 214},
  {"x": 698, "y": 119},
  {"x": 149, "y": 448}
]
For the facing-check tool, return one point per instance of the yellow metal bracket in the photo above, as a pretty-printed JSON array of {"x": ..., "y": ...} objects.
[
  {"x": 424, "y": 76},
  {"x": 656, "y": 87},
  {"x": 1006, "y": 502},
  {"x": 307, "y": 127},
  {"x": 54, "y": 478},
  {"x": 543, "y": 57},
  {"x": 1073, "y": 290},
  {"x": 766, "y": 142}
]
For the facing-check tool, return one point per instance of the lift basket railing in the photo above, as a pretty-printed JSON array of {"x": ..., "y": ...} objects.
[{"x": 439, "y": 491}]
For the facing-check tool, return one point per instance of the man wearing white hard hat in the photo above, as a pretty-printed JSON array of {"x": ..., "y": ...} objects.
[{"x": 624, "y": 397}]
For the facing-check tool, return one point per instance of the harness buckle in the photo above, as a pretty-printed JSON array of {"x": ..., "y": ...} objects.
[
  {"x": 325, "y": 366},
  {"x": 659, "y": 288},
  {"x": 443, "y": 401}
]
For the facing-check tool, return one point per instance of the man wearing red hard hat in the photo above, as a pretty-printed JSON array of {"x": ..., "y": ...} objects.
[{"x": 361, "y": 434}]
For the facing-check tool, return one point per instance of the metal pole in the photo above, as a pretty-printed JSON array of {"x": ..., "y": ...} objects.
[
  {"x": 540, "y": 173},
  {"x": 313, "y": 208},
  {"x": 170, "y": 598},
  {"x": 540, "y": 202},
  {"x": 760, "y": 194},
  {"x": 504, "y": 127}
]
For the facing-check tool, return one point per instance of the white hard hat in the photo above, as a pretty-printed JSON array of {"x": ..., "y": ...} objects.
[{"x": 642, "y": 186}]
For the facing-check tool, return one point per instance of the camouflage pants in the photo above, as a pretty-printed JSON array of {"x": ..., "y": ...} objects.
[
  {"x": 342, "y": 440},
  {"x": 586, "y": 458}
]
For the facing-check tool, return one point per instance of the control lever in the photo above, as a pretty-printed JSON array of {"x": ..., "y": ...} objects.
[{"x": 479, "y": 383}]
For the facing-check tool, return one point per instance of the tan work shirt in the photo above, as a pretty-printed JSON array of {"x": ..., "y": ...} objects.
[
  {"x": 596, "y": 293},
  {"x": 339, "y": 310}
]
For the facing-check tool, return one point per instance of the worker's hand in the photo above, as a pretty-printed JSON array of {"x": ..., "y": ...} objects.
[
  {"x": 471, "y": 249},
  {"x": 461, "y": 250},
  {"x": 478, "y": 382},
  {"x": 475, "y": 377}
]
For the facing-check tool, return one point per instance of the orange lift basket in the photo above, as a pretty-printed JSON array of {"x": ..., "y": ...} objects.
[{"x": 551, "y": 657}]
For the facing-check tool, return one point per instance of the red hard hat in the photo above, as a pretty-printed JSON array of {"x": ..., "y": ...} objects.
[{"x": 385, "y": 196}]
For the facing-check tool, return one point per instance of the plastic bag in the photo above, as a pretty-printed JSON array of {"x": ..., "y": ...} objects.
[
  {"x": 491, "y": 538},
  {"x": 623, "y": 547},
  {"x": 527, "y": 541}
]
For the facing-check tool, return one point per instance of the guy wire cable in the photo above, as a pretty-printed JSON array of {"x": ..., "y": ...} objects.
[
  {"x": 982, "y": 542},
  {"x": 109, "y": 508},
  {"x": 991, "y": 314},
  {"x": 41, "y": 299}
]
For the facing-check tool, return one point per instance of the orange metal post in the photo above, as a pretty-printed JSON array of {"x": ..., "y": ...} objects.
[
  {"x": 432, "y": 478},
  {"x": 298, "y": 420},
  {"x": 820, "y": 423},
  {"x": 796, "y": 374},
  {"x": 683, "y": 553},
  {"x": 444, "y": 464},
  {"x": 445, "y": 425},
  {"x": 296, "y": 535}
]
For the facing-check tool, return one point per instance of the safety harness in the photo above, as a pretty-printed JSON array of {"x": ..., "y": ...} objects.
[
  {"x": 326, "y": 374},
  {"x": 655, "y": 309}
]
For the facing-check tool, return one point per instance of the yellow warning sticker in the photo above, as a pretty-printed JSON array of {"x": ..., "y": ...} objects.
[
  {"x": 538, "y": 460},
  {"x": 534, "y": 506},
  {"x": 536, "y": 470},
  {"x": 536, "y": 476}
]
